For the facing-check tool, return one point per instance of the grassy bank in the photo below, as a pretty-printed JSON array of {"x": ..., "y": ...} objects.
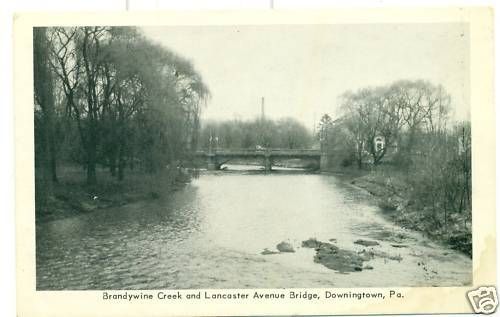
[
  {"x": 72, "y": 196},
  {"x": 399, "y": 201}
]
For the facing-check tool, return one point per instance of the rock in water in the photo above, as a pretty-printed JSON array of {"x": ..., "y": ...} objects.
[
  {"x": 311, "y": 243},
  {"x": 285, "y": 247},
  {"x": 399, "y": 245},
  {"x": 267, "y": 252},
  {"x": 366, "y": 243},
  {"x": 334, "y": 258},
  {"x": 366, "y": 255},
  {"x": 343, "y": 261}
]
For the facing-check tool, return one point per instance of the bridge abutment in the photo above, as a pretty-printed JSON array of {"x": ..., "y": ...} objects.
[
  {"x": 212, "y": 164},
  {"x": 323, "y": 162},
  {"x": 268, "y": 163}
]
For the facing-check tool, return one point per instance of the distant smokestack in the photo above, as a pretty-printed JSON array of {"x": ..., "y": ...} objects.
[
  {"x": 262, "y": 111},
  {"x": 314, "y": 123}
]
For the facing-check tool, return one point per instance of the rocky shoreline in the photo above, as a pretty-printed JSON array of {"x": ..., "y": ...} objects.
[{"x": 392, "y": 195}]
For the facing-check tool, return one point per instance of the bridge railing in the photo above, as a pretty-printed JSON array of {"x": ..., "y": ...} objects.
[{"x": 259, "y": 151}]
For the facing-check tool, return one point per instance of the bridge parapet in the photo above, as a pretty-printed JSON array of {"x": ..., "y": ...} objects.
[
  {"x": 218, "y": 157},
  {"x": 252, "y": 152}
]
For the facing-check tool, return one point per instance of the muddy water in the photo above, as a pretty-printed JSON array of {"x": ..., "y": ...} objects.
[{"x": 211, "y": 233}]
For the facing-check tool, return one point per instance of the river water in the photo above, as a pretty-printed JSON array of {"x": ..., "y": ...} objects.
[{"x": 211, "y": 233}]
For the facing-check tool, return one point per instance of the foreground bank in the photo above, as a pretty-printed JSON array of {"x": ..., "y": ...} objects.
[{"x": 72, "y": 196}]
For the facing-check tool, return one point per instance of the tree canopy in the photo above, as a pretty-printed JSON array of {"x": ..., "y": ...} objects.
[{"x": 125, "y": 99}]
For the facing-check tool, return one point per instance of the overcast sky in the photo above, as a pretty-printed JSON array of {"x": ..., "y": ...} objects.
[{"x": 302, "y": 69}]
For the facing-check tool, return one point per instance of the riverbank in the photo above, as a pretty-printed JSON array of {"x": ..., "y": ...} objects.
[
  {"x": 394, "y": 197},
  {"x": 72, "y": 196}
]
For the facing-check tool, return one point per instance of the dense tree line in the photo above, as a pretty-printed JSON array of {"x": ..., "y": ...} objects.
[
  {"x": 419, "y": 140},
  {"x": 285, "y": 133},
  {"x": 108, "y": 96}
]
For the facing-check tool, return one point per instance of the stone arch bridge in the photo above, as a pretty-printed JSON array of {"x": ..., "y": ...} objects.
[{"x": 215, "y": 159}]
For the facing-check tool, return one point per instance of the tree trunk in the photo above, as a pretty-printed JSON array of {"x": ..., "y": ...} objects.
[
  {"x": 121, "y": 163},
  {"x": 359, "y": 155},
  {"x": 360, "y": 161},
  {"x": 52, "y": 150},
  {"x": 47, "y": 179},
  {"x": 92, "y": 104},
  {"x": 91, "y": 164},
  {"x": 44, "y": 86}
]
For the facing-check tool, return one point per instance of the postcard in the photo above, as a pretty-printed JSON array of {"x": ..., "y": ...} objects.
[{"x": 255, "y": 162}]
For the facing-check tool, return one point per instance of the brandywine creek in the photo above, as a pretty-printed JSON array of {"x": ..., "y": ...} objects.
[{"x": 211, "y": 233}]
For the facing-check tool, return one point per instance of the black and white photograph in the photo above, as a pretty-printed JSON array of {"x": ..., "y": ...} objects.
[
  {"x": 255, "y": 163},
  {"x": 266, "y": 156}
]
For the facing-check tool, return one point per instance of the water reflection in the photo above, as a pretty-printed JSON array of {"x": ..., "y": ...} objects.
[{"x": 210, "y": 235}]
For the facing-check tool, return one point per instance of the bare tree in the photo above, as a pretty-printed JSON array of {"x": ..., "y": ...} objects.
[{"x": 128, "y": 98}]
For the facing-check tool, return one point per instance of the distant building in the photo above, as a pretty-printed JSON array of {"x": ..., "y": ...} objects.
[
  {"x": 379, "y": 143},
  {"x": 262, "y": 110}
]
